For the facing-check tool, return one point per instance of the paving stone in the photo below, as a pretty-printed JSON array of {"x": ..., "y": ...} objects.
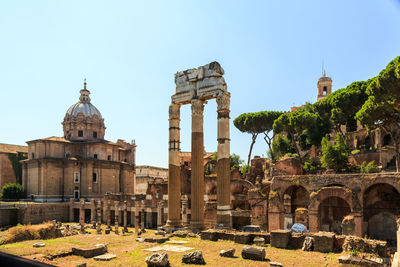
[
  {"x": 275, "y": 264},
  {"x": 90, "y": 251},
  {"x": 349, "y": 259},
  {"x": 105, "y": 257},
  {"x": 39, "y": 245}
]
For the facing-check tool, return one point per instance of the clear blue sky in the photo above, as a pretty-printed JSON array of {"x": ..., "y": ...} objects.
[{"x": 271, "y": 51}]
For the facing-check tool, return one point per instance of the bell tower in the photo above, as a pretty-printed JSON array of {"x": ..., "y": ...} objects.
[{"x": 324, "y": 86}]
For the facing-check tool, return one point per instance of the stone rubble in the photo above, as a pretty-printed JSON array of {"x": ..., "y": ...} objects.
[{"x": 195, "y": 257}]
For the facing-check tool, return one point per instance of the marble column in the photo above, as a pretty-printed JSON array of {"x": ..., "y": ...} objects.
[
  {"x": 184, "y": 210},
  {"x": 116, "y": 207},
  {"x": 108, "y": 214},
  {"x": 137, "y": 205},
  {"x": 159, "y": 214},
  {"x": 131, "y": 208},
  {"x": 142, "y": 215},
  {"x": 197, "y": 176},
  {"x": 82, "y": 216},
  {"x": 98, "y": 226},
  {"x": 125, "y": 230},
  {"x": 93, "y": 212},
  {"x": 174, "y": 177},
  {"x": 224, "y": 218},
  {"x": 71, "y": 209}
]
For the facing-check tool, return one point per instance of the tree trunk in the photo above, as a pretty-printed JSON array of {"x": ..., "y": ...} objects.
[
  {"x": 268, "y": 140},
  {"x": 296, "y": 147},
  {"x": 253, "y": 140}
]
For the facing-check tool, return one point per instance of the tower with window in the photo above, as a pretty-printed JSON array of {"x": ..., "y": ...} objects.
[{"x": 324, "y": 86}]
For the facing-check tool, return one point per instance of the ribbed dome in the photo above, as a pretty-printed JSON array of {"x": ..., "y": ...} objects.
[{"x": 87, "y": 109}]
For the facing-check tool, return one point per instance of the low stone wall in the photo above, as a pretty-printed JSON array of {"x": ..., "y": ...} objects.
[
  {"x": 8, "y": 216},
  {"x": 34, "y": 213},
  {"x": 38, "y": 213}
]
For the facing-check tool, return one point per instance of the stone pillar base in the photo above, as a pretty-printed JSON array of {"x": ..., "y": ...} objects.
[
  {"x": 224, "y": 219},
  {"x": 174, "y": 223}
]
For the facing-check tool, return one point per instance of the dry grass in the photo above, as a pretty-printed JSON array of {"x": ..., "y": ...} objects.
[
  {"x": 132, "y": 253},
  {"x": 30, "y": 232}
]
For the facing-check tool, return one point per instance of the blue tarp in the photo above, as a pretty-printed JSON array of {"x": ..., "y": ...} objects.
[{"x": 298, "y": 228}]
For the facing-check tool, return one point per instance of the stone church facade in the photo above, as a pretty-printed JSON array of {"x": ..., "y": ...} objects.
[{"x": 81, "y": 164}]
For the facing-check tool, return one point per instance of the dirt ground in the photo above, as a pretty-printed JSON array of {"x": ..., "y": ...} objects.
[{"x": 132, "y": 253}]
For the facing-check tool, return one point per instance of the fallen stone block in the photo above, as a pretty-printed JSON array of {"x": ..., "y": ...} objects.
[
  {"x": 357, "y": 261},
  {"x": 280, "y": 238},
  {"x": 275, "y": 264},
  {"x": 296, "y": 240},
  {"x": 227, "y": 253},
  {"x": 209, "y": 235},
  {"x": 89, "y": 252},
  {"x": 180, "y": 233},
  {"x": 242, "y": 238},
  {"x": 308, "y": 244},
  {"x": 324, "y": 241},
  {"x": 39, "y": 245},
  {"x": 158, "y": 259},
  {"x": 105, "y": 257},
  {"x": 195, "y": 257},
  {"x": 253, "y": 253},
  {"x": 354, "y": 243},
  {"x": 140, "y": 239},
  {"x": 259, "y": 241},
  {"x": 156, "y": 239}
]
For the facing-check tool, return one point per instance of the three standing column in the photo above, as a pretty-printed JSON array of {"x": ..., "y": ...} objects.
[
  {"x": 197, "y": 176},
  {"x": 174, "y": 178},
  {"x": 224, "y": 219}
]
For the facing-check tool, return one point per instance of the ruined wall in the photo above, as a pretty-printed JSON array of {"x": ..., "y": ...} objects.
[
  {"x": 7, "y": 174},
  {"x": 37, "y": 213}
]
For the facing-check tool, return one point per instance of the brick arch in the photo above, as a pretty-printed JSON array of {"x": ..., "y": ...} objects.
[
  {"x": 389, "y": 181},
  {"x": 237, "y": 184},
  {"x": 316, "y": 198}
]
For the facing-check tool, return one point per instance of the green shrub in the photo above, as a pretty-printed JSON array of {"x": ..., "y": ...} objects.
[
  {"x": 281, "y": 146},
  {"x": 12, "y": 191},
  {"x": 244, "y": 169},
  {"x": 355, "y": 151},
  {"x": 312, "y": 165},
  {"x": 369, "y": 167},
  {"x": 335, "y": 156}
]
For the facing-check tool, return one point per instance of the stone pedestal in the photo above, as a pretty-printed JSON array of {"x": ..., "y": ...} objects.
[
  {"x": 174, "y": 169},
  {"x": 197, "y": 175},
  {"x": 224, "y": 217},
  {"x": 116, "y": 217}
]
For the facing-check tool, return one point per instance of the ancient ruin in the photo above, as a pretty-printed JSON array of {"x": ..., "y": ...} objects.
[{"x": 195, "y": 87}]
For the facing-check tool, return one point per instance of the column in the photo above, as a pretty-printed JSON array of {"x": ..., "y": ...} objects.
[
  {"x": 98, "y": 226},
  {"x": 125, "y": 230},
  {"x": 116, "y": 207},
  {"x": 174, "y": 178},
  {"x": 82, "y": 215},
  {"x": 159, "y": 214},
  {"x": 197, "y": 176},
  {"x": 93, "y": 212},
  {"x": 184, "y": 210},
  {"x": 224, "y": 218},
  {"x": 71, "y": 209},
  {"x": 142, "y": 215},
  {"x": 137, "y": 205},
  {"x": 109, "y": 214},
  {"x": 132, "y": 213}
]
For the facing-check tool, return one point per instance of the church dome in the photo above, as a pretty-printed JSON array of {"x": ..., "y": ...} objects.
[
  {"x": 83, "y": 121},
  {"x": 87, "y": 110}
]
